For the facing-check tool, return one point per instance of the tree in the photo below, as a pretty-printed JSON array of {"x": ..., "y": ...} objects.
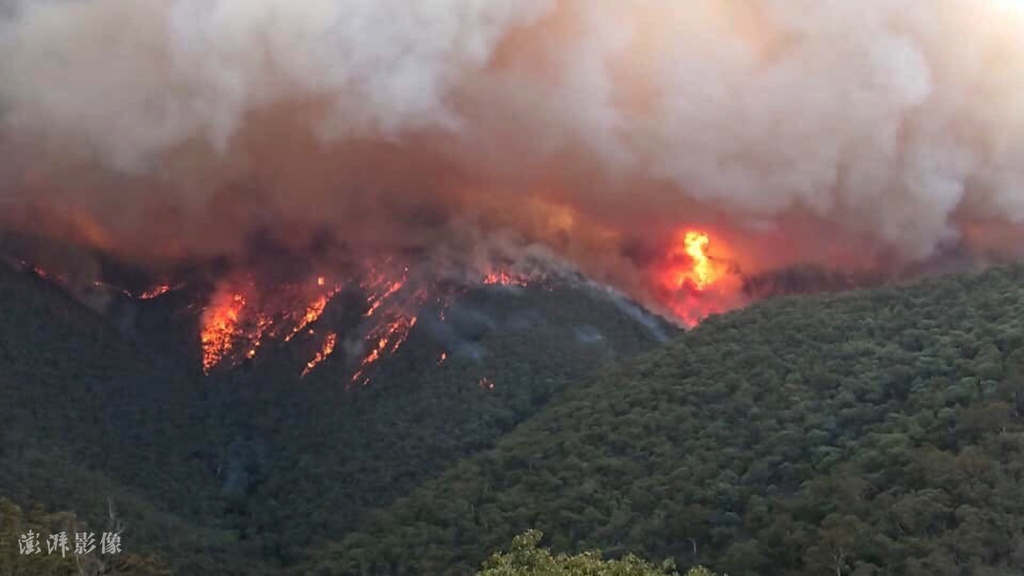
[
  {"x": 526, "y": 558},
  {"x": 840, "y": 538}
]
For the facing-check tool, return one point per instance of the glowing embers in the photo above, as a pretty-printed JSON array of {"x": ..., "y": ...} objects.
[
  {"x": 154, "y": 292},
  {"x": 240, "y": 318},
  {"x": 312, "y": 314},
  {"x": 688, "y": 278},
  {"x": 384, "y": 338},
  {"x": 394, "y": 301},
  {"x": 325, "y": 351},
  {"x": 220, "y": 327},
  {"x": 516, "y": 274},
  {"x": 392, "y": 308},
  {"x": 379, "y": 289},
  {"x": 506, "y": 278}
]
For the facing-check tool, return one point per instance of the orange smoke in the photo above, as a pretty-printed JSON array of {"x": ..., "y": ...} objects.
[{"x": 835, "y": 130}]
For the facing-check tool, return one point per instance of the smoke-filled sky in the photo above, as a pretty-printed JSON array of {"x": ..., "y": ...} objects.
[{"x": 822, "y": 130}]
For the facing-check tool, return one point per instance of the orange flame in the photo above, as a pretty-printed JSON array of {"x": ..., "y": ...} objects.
[
  {"x": 696, "y": 247},
  {"x": 220, "y": 327},
  {"x": 313, "y": 313},
  {"x": 699, "y": 271},
  {"x": 154, "y": 292},
  {"x": 255, "y": 337},
  {"x": 690, "y": 278},
  {"x": 377, "y": 299},
  {"x": 233, "y": 320},
  {"x": 325, "y": 351},
  {"x": 388, "y": 337},
  {"x": 396, "y": 314}
]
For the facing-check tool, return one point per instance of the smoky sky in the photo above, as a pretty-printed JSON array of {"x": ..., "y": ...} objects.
[{"x": 796, "y": 130}]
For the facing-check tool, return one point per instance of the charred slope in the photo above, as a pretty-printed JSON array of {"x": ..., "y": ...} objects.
[{"x": 880, "y": 431}]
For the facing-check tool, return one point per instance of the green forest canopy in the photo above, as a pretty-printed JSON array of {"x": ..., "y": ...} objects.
[{"x": 874, "y": 432}]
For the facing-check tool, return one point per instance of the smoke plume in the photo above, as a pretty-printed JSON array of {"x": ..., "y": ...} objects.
[{"x": 861, "y": 134}]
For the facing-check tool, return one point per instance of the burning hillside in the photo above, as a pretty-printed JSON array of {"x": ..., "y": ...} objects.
[
  {"x": 679, "y": 152},
  {"x": 240, "y": 311},
  {"x": 241, "y": 316}
]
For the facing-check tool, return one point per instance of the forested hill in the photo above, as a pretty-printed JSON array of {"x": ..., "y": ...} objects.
[
  {"x": 241, "y": 471},
  {"x": 875, "y": 432},
  {"x": 96, "y": 424}
]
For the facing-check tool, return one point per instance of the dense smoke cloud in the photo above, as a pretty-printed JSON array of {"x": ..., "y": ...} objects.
[{"x": 795, "y": 130}]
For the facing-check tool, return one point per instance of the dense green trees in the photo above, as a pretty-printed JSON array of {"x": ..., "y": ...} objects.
[
  {"x": 252, "y": 466},
  {"x": 876, "y": 432},
  {"x": 87, "y": 414},
  {"x": 330, "y": 455}
]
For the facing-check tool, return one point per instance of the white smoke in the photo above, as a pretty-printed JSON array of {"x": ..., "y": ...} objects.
[{"x": 896, "y": 122}]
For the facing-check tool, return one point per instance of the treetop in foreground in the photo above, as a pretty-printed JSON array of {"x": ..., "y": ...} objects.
[{"x": 526, "y": 557}]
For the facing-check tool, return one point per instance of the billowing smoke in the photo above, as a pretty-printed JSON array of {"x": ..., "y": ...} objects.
[{"x": 861, "y": 134}]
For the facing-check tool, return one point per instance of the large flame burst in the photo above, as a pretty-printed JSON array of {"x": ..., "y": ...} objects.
[
  {"x": 689, "y": 281},
  {"x": 221, "y": 327}
]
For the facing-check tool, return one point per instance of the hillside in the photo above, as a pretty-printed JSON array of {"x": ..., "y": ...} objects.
[
  {"x": 89, "y": 415},
  {"x": 874, "y": 432},
  {"x": 320, "y": 452},
  {"x": 240, "y": 471}
]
